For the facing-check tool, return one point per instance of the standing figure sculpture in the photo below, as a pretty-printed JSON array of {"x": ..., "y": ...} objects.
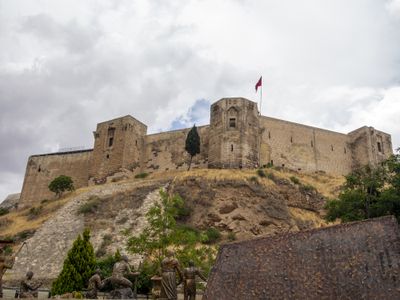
[
  {"x": 94, "y": 285},
  {"x": 28, "y": 288},
  {"x": 169, "y": 267},
  {"x": 189, "y": 283},
  {"x": 5, "y": 263}
]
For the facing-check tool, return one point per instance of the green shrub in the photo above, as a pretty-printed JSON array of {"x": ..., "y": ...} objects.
[
  {"x": 231, "y": 236},
  {"x": 142, "y": 175},
  {"x": 61, "y": 184},
  {"x": 261, "y": 173},
  {"x": 147, "y": 270},
  {"x": 90, "y": 206},
  {"x": 34, "y": 212},
  {"x": 308, "y": 188},
  {"x": 7, "y": 250},
  {"x": 254, "y": 179},
  {"x": 268, "y": 165},
  {"x": 271, "y": 176},
  {"x": 107, "y": 240},
  {"x": 212, "y": 235},
  {"x": 295, "y": 180},
  {"x": 44, "y": 201},
  {"x": 106, "y": 264},
  {"x": 3, "y": 211},
  {"x": 78, "y": 267}
]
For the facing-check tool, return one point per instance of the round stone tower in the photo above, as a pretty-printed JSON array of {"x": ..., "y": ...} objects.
[{"x": 234, "y": 134}]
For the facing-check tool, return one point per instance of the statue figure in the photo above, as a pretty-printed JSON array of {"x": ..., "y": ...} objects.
[
  {"x": 189, "y": 284},
  {"x": 122, "y": 287},
  {"x": 95, "y": 284},
  {"x": 169, "y": 267},
  {"x": 5, "y": 263},
  {"x": 28, "y": 288}
]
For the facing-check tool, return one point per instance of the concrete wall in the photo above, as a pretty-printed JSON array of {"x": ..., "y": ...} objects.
[
  {"x": 166, "y": 151},
  {"x": 42, "y": 169},
  {"x": 304, "y": 148}
]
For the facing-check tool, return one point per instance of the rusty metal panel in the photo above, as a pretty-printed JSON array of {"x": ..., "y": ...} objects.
[{"x": 359, "y": 260}]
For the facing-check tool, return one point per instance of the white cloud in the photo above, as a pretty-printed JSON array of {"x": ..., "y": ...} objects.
[
  {"x": 393, "y": 7},
  {"x": 67, "y": 65}
]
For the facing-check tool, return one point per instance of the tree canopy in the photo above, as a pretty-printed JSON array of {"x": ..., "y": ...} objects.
[
  {"x": 192, "y": 145},
  {"x": 369, "y": 192},
  {"x": 78, "y": 267},
  {"x": 61, "y": 184}
]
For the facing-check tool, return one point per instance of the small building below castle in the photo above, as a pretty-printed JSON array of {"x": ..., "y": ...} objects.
[{"x": 237, "y": 137}]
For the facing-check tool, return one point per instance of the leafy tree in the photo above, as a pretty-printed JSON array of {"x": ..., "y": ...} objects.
[
  {"x": 192, "y": 145},
  {"x": 61, "y": 184},
  {"x": 157, "y": 235},
  {"x": 369, "y": 192},
  {"x": 163, "y": 231},
  {"x": 78, "y": 267}
]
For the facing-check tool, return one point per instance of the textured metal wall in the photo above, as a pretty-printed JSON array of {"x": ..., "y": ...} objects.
[{"x": 359, "y": 260}]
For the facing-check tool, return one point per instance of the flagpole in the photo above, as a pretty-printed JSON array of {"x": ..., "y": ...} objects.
[{"x": 261, "y": 96}]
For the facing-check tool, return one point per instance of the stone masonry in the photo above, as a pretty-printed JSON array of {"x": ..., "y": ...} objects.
[
  {"x": 48, "y": 247},
  {"x": 237, "y": 137}
]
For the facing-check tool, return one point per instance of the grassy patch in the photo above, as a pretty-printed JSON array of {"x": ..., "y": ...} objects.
[
  {"x": 211, "y": 236},
  {"x": 294, "y": 179},
  {"x": 254, "y": 179},
  {"x": 34, "y": 212},
  {"x": 231, "y": 236},
  {"x": 142, "y": 175},
  {"x": 3, "y": 211},
  {"x": 308, "y": 188},
  {"x": 89, "y": 207},
  {"x": 107, "y": 240},
  {"x": 261, "y": 173}
]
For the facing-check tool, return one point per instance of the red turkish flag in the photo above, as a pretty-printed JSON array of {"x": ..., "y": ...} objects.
[{"x": 259, "y": 83}]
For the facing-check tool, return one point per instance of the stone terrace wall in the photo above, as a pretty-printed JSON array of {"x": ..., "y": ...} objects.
[
  {"x": 42, "y": 169},
  {"x": 304, "y": 148},
  {"x": 166, "y": 151},
  {"x": 359, "y": 260}
]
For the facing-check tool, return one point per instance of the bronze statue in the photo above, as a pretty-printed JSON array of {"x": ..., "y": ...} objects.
[
  {"x": 120, "y": 270},
  {"x": 189, "y": 283},
  {"x": 95, "y": 284},
  {"x": 28, "y": 288},
  {"x": 169, "y": 267},
  {"x": 5, "y": 263},
  {"x": 122, "y": 287}
]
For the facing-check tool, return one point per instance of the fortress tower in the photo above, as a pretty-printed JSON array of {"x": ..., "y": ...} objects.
[
  {"x": 237, "y": 137},
  {"x": 234, "y": 134},
  {"x": 118, "y": 143}
]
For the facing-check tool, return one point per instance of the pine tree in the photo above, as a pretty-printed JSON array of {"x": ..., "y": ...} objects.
[
  {"x": 78, "y": 267},
  {"x": 192, "y": 144}
]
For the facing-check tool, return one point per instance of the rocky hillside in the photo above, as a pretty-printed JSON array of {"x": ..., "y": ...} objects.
[{"x": 239, "y": 203}]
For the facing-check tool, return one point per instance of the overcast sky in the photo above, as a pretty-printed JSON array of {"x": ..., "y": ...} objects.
[{"x": 67, "y": 65}]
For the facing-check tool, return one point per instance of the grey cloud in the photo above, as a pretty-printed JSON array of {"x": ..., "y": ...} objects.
[{"x": 63, "y": 69}]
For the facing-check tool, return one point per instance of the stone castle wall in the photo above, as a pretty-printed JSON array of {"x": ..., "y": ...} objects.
[
  {"x": 304, "y": 148},
  {"x": 237, "y": 137},
  {"x": 166, "y": 151},
  {"x": 42, "y": 169},
  {"x": 118, "y": 144}
]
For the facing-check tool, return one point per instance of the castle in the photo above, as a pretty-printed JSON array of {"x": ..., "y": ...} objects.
[{"x": 237, "y": 137}]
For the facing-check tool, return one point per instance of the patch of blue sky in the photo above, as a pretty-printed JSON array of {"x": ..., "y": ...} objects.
[{"x": 198, "y": 113}]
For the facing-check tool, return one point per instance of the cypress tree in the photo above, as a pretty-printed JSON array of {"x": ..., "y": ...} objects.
[
  {"x": 192, "y": 144},
  {"x": 79, "y": 265}
]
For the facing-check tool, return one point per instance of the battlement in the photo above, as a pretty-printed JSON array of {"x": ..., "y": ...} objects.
[{"x": 237, "y": 137}]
